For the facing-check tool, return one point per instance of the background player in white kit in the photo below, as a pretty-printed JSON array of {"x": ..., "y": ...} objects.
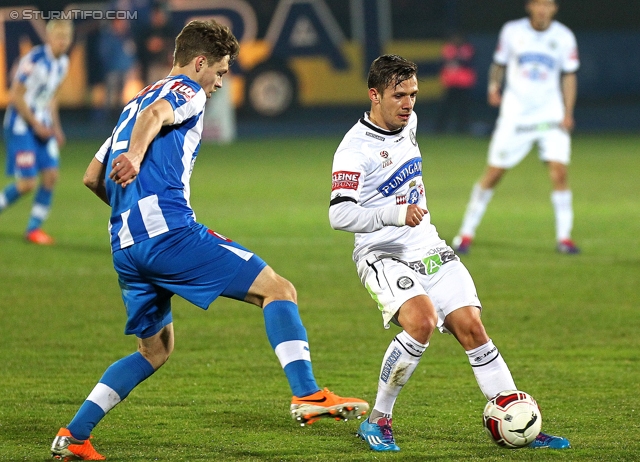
[
  {"x": 540, "y": 58},
  {"x": 415, "y": 278}
]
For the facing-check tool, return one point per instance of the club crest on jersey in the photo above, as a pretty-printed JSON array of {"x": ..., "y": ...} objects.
[
  {"x": 345, "y": 180},
  {"x": 405, "y": 173},
  {"x": 412, "y": 137},
  {"x": 386, "y": 162},
  {"x": 405, "y": 283}
]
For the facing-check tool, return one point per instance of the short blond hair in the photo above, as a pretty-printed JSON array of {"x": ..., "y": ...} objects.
[{"x": 56, "y": 23}]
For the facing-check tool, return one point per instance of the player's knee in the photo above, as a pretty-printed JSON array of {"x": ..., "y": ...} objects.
[
  {"x": 285, "y": 290},
  {"x": 26, "y": 185},
  {"x": 421, "y": 327}
]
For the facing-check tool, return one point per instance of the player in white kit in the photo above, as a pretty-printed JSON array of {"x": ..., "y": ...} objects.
[
  {"x": 540, "y": 58},
  {"x": 416, "y": 280}
]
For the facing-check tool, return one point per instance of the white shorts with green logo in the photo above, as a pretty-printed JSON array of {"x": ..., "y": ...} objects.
[
  {"x": 510, "y": 143},
  {"x": 439, "y": 274}
]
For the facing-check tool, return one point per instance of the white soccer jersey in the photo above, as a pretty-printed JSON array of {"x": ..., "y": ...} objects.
[
  {"x": 535, "y": 60},
  {"x": 41, "y": 73},
  {"x": 375, "y": 173}
]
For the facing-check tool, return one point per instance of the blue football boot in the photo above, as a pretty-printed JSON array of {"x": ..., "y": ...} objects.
[
  {"x": 549, "y": 441},
  {"x": 378, "y": 435}
]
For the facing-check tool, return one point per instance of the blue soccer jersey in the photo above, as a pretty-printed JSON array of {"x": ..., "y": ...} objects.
[
  {"x": 158, "y": 200},
  {"x": 41, "y": 73}
]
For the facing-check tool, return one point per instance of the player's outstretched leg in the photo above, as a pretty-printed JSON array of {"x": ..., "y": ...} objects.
[
  {"x": 288, "y": 337},
  {"x": 115, "y": 385}
]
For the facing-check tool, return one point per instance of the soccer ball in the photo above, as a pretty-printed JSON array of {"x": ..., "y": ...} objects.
[{"x": 512, "y": 419}]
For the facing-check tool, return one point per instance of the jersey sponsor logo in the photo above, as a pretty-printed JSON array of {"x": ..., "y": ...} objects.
[
  {"x": 183, "y": 90},
  {"x": 401, "y": 200},
  {"x": 25, "y": 159},
  {"x": 345, "y": 180},
  {"x": 402, "y": 175},
  {"x": 373, "y": 135},
  {"x": 384, "y": 154},
  {"x": 536, "y": 58}
]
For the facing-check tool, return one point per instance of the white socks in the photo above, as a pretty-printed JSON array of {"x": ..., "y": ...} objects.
[
  {"x": 476, "y": 207},
  {"x": 492, "y": 373},
  {"x": 563, "y": 209},
  {"x": 399, "y": 362}
]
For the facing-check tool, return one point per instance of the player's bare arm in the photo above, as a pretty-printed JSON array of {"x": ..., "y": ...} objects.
[
  {"x": 496, "y": 77},
  {"x": 569, "y": 93},
  {"x": 16, "y": 98},
  {"x": 126, "y": 166},
  {"x": 94, "y": 179},
  {"x": 55, "y": 118}
]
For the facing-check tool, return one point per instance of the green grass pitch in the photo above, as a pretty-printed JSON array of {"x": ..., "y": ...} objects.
[{"x": 567, "y": 325}]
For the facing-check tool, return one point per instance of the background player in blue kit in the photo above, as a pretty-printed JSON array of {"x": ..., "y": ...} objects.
[
  {"x": 33, "y": 133},
  {"x": 142, "y": 171}
]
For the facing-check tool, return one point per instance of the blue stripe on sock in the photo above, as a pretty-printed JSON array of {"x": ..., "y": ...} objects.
[{"x": 283, "y": 324}]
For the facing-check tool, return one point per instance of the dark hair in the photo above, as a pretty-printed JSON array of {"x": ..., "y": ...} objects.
[
  {"x": 208, "y": 38},
  {"x": 390, "y": 69}
]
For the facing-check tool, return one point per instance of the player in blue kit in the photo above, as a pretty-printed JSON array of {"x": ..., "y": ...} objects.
[
  {"x": 142, "y": 171},
  {"x": 32, "y": 129}
]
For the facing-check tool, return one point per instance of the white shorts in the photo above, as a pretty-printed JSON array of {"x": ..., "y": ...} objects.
[
  {"x": 439, "y": 274},
  {"x": 511, "y": 142}
]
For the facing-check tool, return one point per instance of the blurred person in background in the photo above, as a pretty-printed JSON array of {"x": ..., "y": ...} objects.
[
  {"x": 154, "y": 44},
  {"x": 539, "y": 57},
  {"x": 117, "y": 51},
  {"x": 458, "y": 77},
  {"x": 33, "y": 132}
]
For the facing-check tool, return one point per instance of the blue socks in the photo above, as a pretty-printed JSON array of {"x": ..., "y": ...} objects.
[
  {"x": 288, "y": 338},
  {"x": 114, "y": 386},
  {"x": 8, "y": 196},
  {"x": 40, "y": 209}
]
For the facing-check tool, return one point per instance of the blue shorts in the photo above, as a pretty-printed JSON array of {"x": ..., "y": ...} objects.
[
  {"x": 194, "y": 262},
  {"x": 27, "y": 154}
]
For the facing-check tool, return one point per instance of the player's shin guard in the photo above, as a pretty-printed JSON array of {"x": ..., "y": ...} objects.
[
  {"x": 490, "y": 369},
  {"x": 40, "y": 209},
  {"x": 399, "y": 362},
  {"x": 288, "y": 338},
  {"x": 114, "y": 386}
]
